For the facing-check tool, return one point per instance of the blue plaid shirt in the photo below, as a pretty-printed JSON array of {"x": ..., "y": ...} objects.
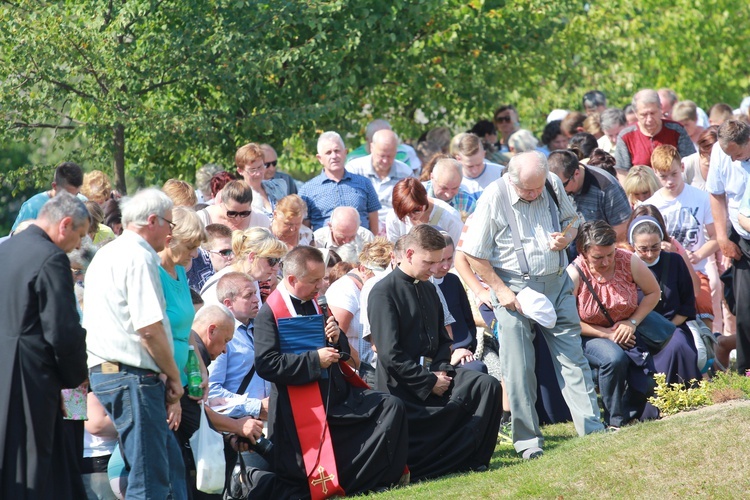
[
  {"x": 463, "y": 201},
  {"x": 322, "y": 195}
]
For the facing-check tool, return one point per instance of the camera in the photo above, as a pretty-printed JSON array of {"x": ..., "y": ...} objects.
[{"x": 262, "y": 446}]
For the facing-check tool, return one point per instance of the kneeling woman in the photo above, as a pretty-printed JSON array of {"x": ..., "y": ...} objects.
[
  {"x": 678, "y": 359},
  {"x": 608, "y": 325}
]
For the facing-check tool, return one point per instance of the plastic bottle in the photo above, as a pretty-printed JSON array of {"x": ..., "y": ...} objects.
[{"x": 195, "y": 379}]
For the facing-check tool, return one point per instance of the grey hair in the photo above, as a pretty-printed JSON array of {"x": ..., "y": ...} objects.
[
  {"x": 646, "y": 96},
  {"x": 330, "y": 136},
  {"x": 375, "y": 126},
  {"x": 341, "y": 211},
  {"x": 514, "y": 165},
  {"x": 213, "y": 312},
  {"x": 150, "y": 201},
  {"x": 611, "y": 118},
  {"x": 203, "y": 177},
  {"x": 83, "y": 255},
  {"x": 65, "y": 205},
  {"x": 295, "y": 262},
  {"x": 449, "y": 164},
  {"x": 522, "y": 140}
]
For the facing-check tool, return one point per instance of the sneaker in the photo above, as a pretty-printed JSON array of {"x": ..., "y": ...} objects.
[
  {"x": 532, "y": 453},
  {"x": 506, "y": 432}
]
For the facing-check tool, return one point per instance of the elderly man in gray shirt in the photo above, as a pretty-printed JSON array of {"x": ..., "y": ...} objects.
[{"x": 513, "y": 241}]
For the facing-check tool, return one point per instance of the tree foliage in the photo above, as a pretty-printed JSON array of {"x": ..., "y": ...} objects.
[{"x": 156, "y": 88}]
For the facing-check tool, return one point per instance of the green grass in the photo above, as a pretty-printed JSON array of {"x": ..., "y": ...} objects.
[{"x": 698, "y": 454}]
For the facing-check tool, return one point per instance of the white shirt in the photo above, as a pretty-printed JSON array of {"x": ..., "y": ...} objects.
[
  {"x": 348, "y": 252},
  {"x": 384, "y": 187},
  {"x": 257, "y": 219},
  {"x": 344, "y": 294},
  {"x": 728, "y": 177},
  {"x": 123, "y": 294},
  {"x": 475, "y": 186},
  {"x": 686, "y": 217}
]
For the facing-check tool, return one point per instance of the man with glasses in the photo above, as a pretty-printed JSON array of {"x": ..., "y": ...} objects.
[
  {"x": 131, "y": 367},
  {"x": 213, "y": 256},
  {"x": 597, "y": 195},
  {"x": 271, "y": 160}
]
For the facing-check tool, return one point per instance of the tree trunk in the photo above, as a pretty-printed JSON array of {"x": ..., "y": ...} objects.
[{"x": 119, "y": 146}]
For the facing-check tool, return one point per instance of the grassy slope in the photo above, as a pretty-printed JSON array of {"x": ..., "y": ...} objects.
[{"x": 704, "y": 453}]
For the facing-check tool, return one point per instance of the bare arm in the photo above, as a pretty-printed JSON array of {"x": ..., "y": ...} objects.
[
  {"x": 461, "y": 263},
  {"x": 99, "y": 424},
  {"x": 154, "y": 339},
  {"x": 374, "y": 223},
  {"x": 710, "y": 247},
  {"x": 721, "y": 214},
  {"x": 344, "y": 319},
  {"x": 505, "y": 295},
  {"x": 622, "y": 231}
]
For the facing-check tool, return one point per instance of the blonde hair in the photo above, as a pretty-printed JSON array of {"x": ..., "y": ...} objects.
[
  {"x": 466, "y": 144},
  {"x": 96, "y": 186},
  {"x": 257, "y": 240},
  {"x": 685, "y": 110},
  {"x": 640, "y": 178},
  {"x": 188, "y": 228},
  {"x": 180, "y": 192},
  {"x": 376, "y": 253},
  {"x": 291, "y": 206}
]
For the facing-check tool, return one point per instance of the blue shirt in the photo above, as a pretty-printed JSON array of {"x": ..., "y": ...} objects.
[
  {"x": 31, "y": 207},
  {"x": 180, "y": 312},
  {"x": 322, "y": 195},
  {"x": 230, "y": 368}
]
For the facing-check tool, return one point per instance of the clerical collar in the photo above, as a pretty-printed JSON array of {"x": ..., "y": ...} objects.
[{"x": 406, "y": 277}]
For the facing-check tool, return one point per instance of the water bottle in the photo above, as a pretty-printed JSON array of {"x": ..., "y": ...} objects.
[{"x": 195, "y": 379}]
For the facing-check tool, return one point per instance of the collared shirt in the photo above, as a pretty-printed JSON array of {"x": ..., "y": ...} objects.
[
  {"x": 729, "y": 178},
  {"x": 490, "y": 173},
  {"x": 349, "y": 252},
  {"x": 487, "y": 234},
  {"x": 123, "y": 294},
  {"x": 602, "y": 198},
  {"x": 383, "y": 187},
  {"x": 228, "y": 370},
  {"x": 463, "y": 201},
  {"x": 634, "y": 147},
  {"x": 404, "y": 153},
  {"x": 323, "y": 194}
]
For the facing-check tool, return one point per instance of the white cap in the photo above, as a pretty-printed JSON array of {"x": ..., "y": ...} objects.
[
  {"x": 557, "y": 114},
  {"x": 537, "y": 307}
]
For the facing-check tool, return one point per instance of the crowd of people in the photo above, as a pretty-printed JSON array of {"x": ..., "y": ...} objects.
[{"x": 386, "y": 321}]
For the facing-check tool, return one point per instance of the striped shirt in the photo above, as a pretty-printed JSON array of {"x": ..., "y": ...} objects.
[{"x": 487, "y": 235}]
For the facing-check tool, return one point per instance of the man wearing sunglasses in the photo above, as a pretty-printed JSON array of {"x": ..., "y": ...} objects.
[{"x": 271, "y": 160}]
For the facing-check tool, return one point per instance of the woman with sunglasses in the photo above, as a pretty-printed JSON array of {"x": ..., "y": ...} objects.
[
  {"x": 257, "y": 253},
  {"x": 232, "y": 208}
]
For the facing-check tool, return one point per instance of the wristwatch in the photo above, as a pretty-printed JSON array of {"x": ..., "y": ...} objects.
[{"x": 634, "y": 322}]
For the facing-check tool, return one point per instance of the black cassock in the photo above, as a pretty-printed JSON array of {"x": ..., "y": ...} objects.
[
  {"x": 453, "y": 432},
  {"x": 368, "y": 429},
  {"x": 43, "y": 351}
]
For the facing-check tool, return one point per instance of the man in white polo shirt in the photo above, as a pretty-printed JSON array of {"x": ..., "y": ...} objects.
[{"x": 129, "y": 343}]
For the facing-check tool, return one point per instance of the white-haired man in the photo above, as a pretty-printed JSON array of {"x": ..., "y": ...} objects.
[
  {"x": 636, "y": 142},
  {"x": 129, "y": 342},
  {"x": 343, "y": 234},
  {"x": 336, "y": 187},
  {"x": 514, "y": 241}
]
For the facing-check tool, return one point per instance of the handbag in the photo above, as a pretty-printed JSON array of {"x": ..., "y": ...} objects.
[
  {"x": 208, "y": 453},
  {"x": 655, "y": 329}
]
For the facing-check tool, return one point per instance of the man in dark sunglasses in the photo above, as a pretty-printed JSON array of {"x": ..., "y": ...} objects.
[{"x": 271, "y": 160}]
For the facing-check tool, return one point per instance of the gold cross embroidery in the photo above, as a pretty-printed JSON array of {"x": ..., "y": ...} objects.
[{"x": 323, "y": 479}]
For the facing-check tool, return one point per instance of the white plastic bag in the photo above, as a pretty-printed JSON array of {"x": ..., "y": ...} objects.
[{"x": 208, "y": 452}]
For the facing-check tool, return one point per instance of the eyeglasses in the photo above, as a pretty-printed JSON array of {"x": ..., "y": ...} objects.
[
  {"x": 565, "y": 184},
  {"x": 255, "y": 170},
  {"x": 271, "y": 163},
  {"x": 234, "y": 213},
  {"x": 652, "y": 249},
  {"x": 503, "y": 119},
  {"x": 227, "y": 252},
  {"x": 77, "y": 272},
  {"x": 171, "y": 224},
  {"x": 273, "y": 261}
]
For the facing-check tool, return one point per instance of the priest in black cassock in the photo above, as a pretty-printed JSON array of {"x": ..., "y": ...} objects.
[
  {"x": 454, "y": 414},
  {"x": 43, "y": 351},
  {"x": 331, "y": 435}
]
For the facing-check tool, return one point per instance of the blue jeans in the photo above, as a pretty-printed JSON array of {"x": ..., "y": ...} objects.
[
  {"x": 134, "y": 400},
  {"x": 621, "y": 402}
]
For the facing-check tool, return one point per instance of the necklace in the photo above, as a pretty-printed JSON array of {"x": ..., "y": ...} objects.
[{"x": 601, "y": 277}]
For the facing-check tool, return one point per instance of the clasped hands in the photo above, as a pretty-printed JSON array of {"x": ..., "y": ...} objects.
[{"x": 330, "y": 355}]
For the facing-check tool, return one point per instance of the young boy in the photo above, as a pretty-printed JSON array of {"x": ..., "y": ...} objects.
[{"x": 687, "y": 213}]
